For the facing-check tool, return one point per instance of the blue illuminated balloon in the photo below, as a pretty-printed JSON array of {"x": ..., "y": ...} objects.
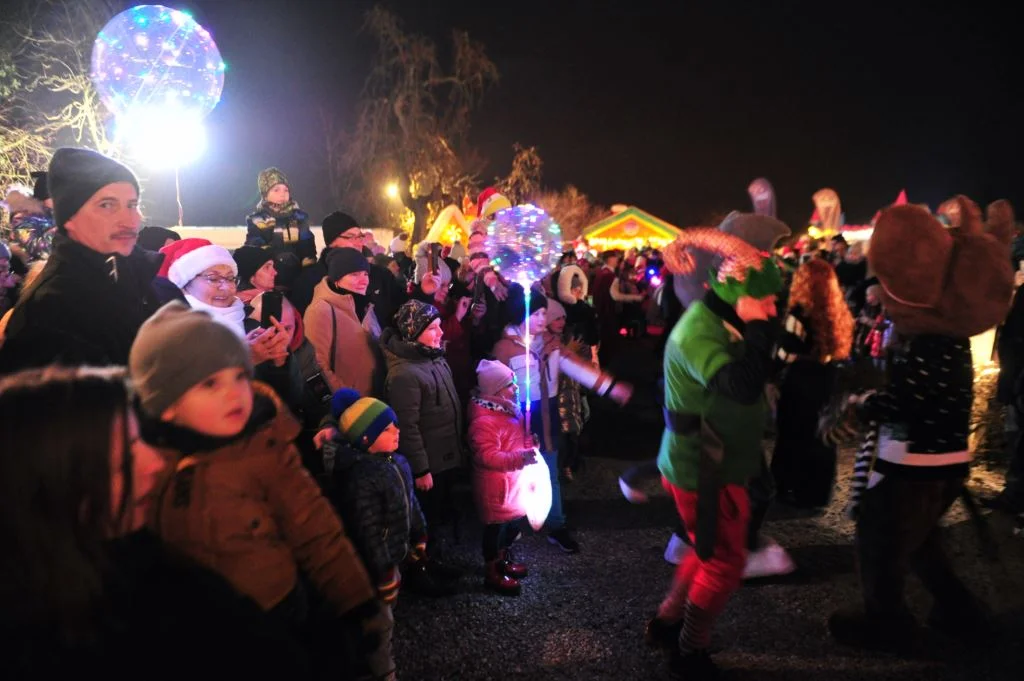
[
  {"x": 151, "y": 57},
  {"x": 524, "y": 243}
]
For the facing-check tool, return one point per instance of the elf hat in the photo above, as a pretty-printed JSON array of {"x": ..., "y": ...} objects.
[
  {"x": 744, "y": 270},
  {"x": 186, "y": 259},
  {"x": 490, "y": 202},
  {"x": 361, "y": 420}
]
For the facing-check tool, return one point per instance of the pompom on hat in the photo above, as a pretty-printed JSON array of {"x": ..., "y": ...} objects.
[
  {"x": 744, "y": 270},
  {"x": 186, "y": 259},
  {"x": 361, "y": 420},
  {"x": 951, "y": 282}
]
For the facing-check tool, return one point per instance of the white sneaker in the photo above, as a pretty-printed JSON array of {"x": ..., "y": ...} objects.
[
  {"x": 771, "y": 560},
  {"x": 676, "y": 549},
  {"x": 633, "y": 496}
]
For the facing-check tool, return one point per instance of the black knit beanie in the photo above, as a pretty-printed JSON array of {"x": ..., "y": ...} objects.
[
  {"x": 342, "y": 261},
  {"x": 516, "y": 304},
  {"x": 250, "y": 259},
  {"x": 336, "y": 224},
  {"x": 76, "y": 174},
  {"x": 153, "y": 238}
]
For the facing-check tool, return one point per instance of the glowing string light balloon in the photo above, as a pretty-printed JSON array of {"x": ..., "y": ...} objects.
[
  {"x": 524, "y": 243},
  {"x": 153, "y": 56},
  {"x": 160, "y": 73}
]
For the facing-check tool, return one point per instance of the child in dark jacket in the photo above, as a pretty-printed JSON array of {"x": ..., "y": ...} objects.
[
  {"x": 373, "y": 488},
  {"x": 373, "y": 492},
  {"x": 278, "y": 223}
]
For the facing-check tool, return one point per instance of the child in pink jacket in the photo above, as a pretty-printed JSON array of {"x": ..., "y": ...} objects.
[{"x": 501, "y": 449}]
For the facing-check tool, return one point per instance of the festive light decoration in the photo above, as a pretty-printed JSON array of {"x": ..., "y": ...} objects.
[
  {"x": 524, "y": 243},
  {"x": 162, "y": 138},
  {"x": 151, "y": 56}
]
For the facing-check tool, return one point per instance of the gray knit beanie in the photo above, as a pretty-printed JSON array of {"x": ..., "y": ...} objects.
[{"x": 178, "y": 348}]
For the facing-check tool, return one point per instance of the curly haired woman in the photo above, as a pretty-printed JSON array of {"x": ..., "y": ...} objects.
[{"x": 817, "y": 333}]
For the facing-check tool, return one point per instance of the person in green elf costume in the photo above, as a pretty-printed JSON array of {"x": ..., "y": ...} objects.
[{"x": 717, "y": 361}]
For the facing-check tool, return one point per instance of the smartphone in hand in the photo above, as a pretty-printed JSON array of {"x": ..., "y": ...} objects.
[{"x": 272, "y": 303}]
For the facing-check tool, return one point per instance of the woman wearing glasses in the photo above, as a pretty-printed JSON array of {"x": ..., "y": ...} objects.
[{"x": 208, "y": 277}]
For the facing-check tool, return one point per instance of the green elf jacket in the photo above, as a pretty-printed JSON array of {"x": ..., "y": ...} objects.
[{"x": 707, "y": 338}]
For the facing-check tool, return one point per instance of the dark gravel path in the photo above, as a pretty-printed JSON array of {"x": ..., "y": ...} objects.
[{"x": 581, "y": 617}]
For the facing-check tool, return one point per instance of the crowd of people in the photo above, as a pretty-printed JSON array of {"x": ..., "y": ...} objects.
[{"x": 267, "y": 445}]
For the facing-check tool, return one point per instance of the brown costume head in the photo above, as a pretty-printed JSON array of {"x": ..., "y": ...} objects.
[{"x": 940, "y": 281}]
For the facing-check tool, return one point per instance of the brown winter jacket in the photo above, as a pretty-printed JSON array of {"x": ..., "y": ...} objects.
[
  {"x": 250, "y": 512},
  {"x": 357, "y": 361}
]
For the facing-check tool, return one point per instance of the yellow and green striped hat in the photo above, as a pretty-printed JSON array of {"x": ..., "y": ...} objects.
[{"x": 360, "y": 419}]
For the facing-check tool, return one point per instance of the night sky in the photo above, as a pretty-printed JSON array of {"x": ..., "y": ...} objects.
[{"x": 673, "y": 107}]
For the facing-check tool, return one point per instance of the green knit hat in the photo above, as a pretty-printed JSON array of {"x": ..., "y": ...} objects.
[
  {"x": 270, "y": 177},
  {"x": 361, "y": 420}
]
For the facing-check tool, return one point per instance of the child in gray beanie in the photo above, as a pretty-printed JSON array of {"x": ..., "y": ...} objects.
[{"x": 239, "y": 501}]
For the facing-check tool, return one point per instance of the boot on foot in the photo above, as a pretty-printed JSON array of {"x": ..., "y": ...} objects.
[
  {"x": 418, "y": 579},
  {"x": 662, "y": 634},
  {"x": 696, "y": 665},
  {"x": 510, "y": 567},
  {"x": 496, "y": 580},
  {"x": 854, "y": 628}
]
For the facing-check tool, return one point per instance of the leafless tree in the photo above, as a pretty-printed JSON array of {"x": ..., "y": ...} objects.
[
  {"x": 411, "y": 126},
  {"x": 572, "y": 209},
  {"x": 50, "y": 98},
  {"x": 523, "y": 181}
]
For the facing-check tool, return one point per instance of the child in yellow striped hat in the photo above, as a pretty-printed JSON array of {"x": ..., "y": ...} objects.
[{"x": 373, "y": 492}]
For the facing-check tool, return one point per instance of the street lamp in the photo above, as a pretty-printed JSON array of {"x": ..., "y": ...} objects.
[{"x": 391, "y": 190}]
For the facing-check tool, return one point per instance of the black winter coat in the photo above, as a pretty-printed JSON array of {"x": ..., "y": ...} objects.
[
  {"x": 164, "y": 618},
  {"x": 85, "y": 308},
  {"x": 384, "y": 290},
  {"x": 375, "y": 497},
  {"x": 421, "y": 391},
  {"x": 1010, "y": 348}
]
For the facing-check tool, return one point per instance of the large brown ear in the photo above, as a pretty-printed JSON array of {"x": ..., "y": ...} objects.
[
  {"x": 970, "y": 215},
  {"x": 1000, "y": 222},
  {"x": 910, "y": 252}
]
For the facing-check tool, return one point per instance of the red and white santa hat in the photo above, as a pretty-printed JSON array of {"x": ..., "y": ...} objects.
[
  {"x": 186, "y": 259},
  {"x": 490, "y": 202}
]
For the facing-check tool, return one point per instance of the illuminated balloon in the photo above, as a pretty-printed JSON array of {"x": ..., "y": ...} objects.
[
  {"x": 524, "y": 243},
  {"x": 153, "y": 57},
  {"x": 535, "y": 492}
]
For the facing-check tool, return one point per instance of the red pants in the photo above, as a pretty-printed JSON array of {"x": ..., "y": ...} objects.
[{"x": 709, "y": 584}]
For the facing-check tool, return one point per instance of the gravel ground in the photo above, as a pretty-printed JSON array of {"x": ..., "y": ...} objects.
[{"x": 582, "y": 616}]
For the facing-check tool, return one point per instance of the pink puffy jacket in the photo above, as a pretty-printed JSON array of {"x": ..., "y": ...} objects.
[{"x": 497, "y": 438}]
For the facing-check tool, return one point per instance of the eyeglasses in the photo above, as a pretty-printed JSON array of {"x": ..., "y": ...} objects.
[
  {"x": 351, "y": 237},
  {"x": 218, "y": 281}
]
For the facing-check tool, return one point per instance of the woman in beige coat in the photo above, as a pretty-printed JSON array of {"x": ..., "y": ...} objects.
[{"x": 341, "y": 325}]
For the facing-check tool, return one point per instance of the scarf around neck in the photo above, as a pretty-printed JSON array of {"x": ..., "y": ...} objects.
[
  {"x": 232, "y": 317},
  {"x": 278, "y": 210},
  {"x": 361, "y": 301}
]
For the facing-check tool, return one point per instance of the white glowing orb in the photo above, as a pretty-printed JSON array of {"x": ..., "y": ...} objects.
[{"x": 162, "y": 137}]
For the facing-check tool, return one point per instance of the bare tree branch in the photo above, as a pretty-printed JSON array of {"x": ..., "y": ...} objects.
[{"x": 411, "y": 127}]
